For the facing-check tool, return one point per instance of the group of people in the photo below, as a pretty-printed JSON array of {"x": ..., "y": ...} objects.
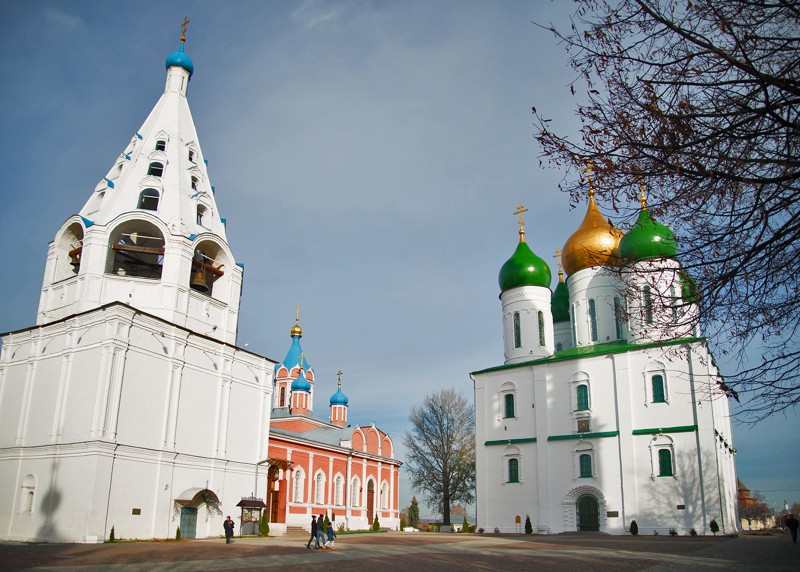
[{"x": 318, "y": 531}]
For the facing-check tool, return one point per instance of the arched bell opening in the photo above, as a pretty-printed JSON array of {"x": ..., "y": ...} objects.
[
  {"x": 209, "y": 264},
  {"x": 136, "y": 248},
  {"x": 69, "y": 249}
]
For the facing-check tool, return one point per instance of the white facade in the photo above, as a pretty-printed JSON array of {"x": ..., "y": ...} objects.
[
  {"x": 618, "y": 426},
  {"x": 128, "y": 406}
]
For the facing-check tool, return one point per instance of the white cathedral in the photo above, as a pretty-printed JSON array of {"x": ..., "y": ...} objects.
[
  {"x": 128, "y": 404},
  {"x": 606, "y": 409}
]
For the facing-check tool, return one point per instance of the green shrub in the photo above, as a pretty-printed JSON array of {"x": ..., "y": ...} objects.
[
  {"x": 376, "y": 526},
  {"x": 693, "y": 532},
  {"x": 403, "y": 522},
  {"x": 111, "y": 536},
  {"x": 528, "y": 526},
  {"x": 264, "y": 526},
  {"x": 634, "y": 528},
  {"x": 465, "y": 525},
  {"x": 713, "y": 526}
]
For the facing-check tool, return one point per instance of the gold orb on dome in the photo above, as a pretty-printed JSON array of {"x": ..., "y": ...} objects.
[
  {"x": 595, "y": 243},
  {"x": 296, "y": 330}
]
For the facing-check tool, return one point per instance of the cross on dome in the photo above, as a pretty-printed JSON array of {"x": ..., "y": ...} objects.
[{"x": 521, "y": 209}]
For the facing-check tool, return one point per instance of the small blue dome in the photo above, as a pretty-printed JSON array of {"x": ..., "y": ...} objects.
[
  {"x": 301, "y": 383},
  {"x": 339, "y": 398},
  {"x": 180, "y": 59}
]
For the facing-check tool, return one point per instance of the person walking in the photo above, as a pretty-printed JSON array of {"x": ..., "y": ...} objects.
[
  {"x": 331, "y": 537},
  {"x": 321, "y": 531},
  {"x": 792, "y": 525},
  {"x": 313, "y": 532},
  {"x": 228, "y": 526}
]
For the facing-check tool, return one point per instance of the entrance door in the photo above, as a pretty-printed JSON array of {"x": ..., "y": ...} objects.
[
  {"x": 273, "y": 496},
  {"x": 588, "y": 515},
  {"x": 188, "y": 522},
  {"x": 370, "y": 502}
]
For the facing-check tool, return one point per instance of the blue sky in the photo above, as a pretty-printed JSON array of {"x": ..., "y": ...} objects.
[{"x": 367, "y": 155}]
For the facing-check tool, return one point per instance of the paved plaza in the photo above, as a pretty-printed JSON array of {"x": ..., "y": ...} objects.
[{"x": 398, "y": 552}]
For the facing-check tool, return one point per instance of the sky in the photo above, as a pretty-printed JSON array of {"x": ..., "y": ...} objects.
[{"x": 367, "y": 155}]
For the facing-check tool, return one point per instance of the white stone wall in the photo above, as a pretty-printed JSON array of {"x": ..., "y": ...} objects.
[{"x": 115, "y": 410}]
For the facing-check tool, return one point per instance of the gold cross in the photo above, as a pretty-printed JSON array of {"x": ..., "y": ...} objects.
[
  {"x": 642, "y": 197},
  {"x": 339, "y": 375},
  {"x": 297, "y": 313},
  {"x": 558, "y": 257},
  {"x": 588, "y": 169},
  {"x": 183, "y": 28},
  {"x": 519, "y": 211},
  {"x": 302, "y": 357}
]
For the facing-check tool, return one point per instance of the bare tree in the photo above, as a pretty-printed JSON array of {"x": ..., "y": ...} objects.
[
  {"x": 441, "y": 450},
  {"x": 700, "y": 100}
]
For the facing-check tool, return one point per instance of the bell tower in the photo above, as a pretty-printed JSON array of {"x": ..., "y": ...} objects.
[{"x": 150, "y": 235}]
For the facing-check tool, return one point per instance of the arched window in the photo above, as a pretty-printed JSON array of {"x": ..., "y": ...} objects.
[
  {"x": 541, "y": 328},
  {"x": 517, "y": 331},
  {"x": 299, "y": 481},
  {"x": 658, "y": 388},
  {"x": 674, "y": 299},
  {"x": 509, "y": 404},
  {"x": 355, "y": 493},
  {"x": 201, "y": 215},
  {"x": 338, "y": 491},
  {"x": 28, "y": 494},
  {"x": 194, "y": 183},
  {"x": 155, "y": 169},
  {"x": 593, "y": 319},
  {"x": 161, "y": 145},
  {"x": 319, "y": 489},
  {"x": 148, "y": 200},
  {"x": 582, "y": 397},
  {"x": 283, "y": 397},
  {"x": 647, "y": 304},
  {"x": 585, "y": 461},
  {"x": 513, "y": 470},
  {"x": 574, "y": 327},
  {"x": 192, "y": 156},
  {"x": 618, "y": 316},
  {"x": 665, "y": 463},
  {"x": 136, "y": 249},
  {"x": 384, "y": 496}
]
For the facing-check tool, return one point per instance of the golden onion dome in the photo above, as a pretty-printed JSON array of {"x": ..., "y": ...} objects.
[
  {"x": 595, "y": 243},
  {"x": 296, "y": 330}
]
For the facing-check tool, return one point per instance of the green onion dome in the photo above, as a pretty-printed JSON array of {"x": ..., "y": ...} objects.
[
  {"x": 559, "y": 304},
  {"x": 647, "y": 238},
  {"x": 524, "y": 268}
]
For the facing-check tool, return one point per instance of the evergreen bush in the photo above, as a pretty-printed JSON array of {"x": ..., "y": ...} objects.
[
  {"x": 465, "y": 525},
  {"x": 713, "y": 526},
  {"x": 634, "y": 528},
  {"x": 376, "y": 526},
  {"x": 528, "y": 526},
  {"x": 178, "y": 533},
  {"x": 403, "y": 522},
  {"x": 111, "y": 536},
  {"x": 264, "y": 526}
]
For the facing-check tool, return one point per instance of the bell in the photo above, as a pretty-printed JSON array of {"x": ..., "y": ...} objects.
[{"x": 199, "y": 280}]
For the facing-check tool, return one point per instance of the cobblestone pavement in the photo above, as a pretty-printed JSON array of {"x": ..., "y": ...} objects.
[{"x": 400, "y": 552}]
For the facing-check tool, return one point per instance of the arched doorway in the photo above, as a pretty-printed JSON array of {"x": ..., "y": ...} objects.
[
  {"x": 189, "y": 501},
  {"x": 188, "y": 522},
  {"x": 275, "y": 497},
  {"x": 587, "y": 514},
  {"x": 370, "y": 501}
]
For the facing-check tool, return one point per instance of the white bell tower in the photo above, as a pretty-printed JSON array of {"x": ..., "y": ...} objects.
[{"x": 150, "y": 234}]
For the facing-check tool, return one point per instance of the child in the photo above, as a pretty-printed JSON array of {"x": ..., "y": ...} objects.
[{"x": 331, "y": 537}]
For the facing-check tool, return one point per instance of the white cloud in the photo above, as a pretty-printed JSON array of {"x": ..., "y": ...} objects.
[
  {"x": 314, "y": 12},
  {"x": 59, "y": 17}
]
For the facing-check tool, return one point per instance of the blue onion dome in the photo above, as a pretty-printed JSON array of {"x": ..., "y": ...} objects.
[
  {"x": 524, "y": 268},
  {"x": 301, "y": 383},
  {"x": 179, "y": 58},
  {"x": 339, "y": 398},
  {"x": 559, "y": 303},
  {"x": 647, "y": 238}
]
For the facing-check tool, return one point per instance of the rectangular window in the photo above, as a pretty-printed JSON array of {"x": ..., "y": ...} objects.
[
  {"x": 541, "y": 328},
  {"x": 509, "y": 402},
  {"x": 517, "y": 331},
  {"x": 586, "y": 465},
  {"x": 582, "y": 398},
  {"x": 593, "y": 319},
  {"x": 647, "y": 303},
  {"x": 618, "y": 317},
  {"x": 513, "y": 470},
  {"x": 658, "y": 389},
  {"x": 664, "y": 463}
]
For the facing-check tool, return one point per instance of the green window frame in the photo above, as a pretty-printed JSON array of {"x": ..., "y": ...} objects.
[
  {"x": 593, "y": 319},
  {"x": 659, "y": 395},
  {"x": 665, "y": 463},
  {"x": 509, "y": 404},
  {"x": 618, "y": 316},
  {"x": 517, "y": 331},
  {"x": 541, "y": 328},
  {"x": 585, "y": 463},
  {"x": 582, "y": 397},
  {"x": 647, "y": 304},
  {"x": 513, "y": 470}
]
